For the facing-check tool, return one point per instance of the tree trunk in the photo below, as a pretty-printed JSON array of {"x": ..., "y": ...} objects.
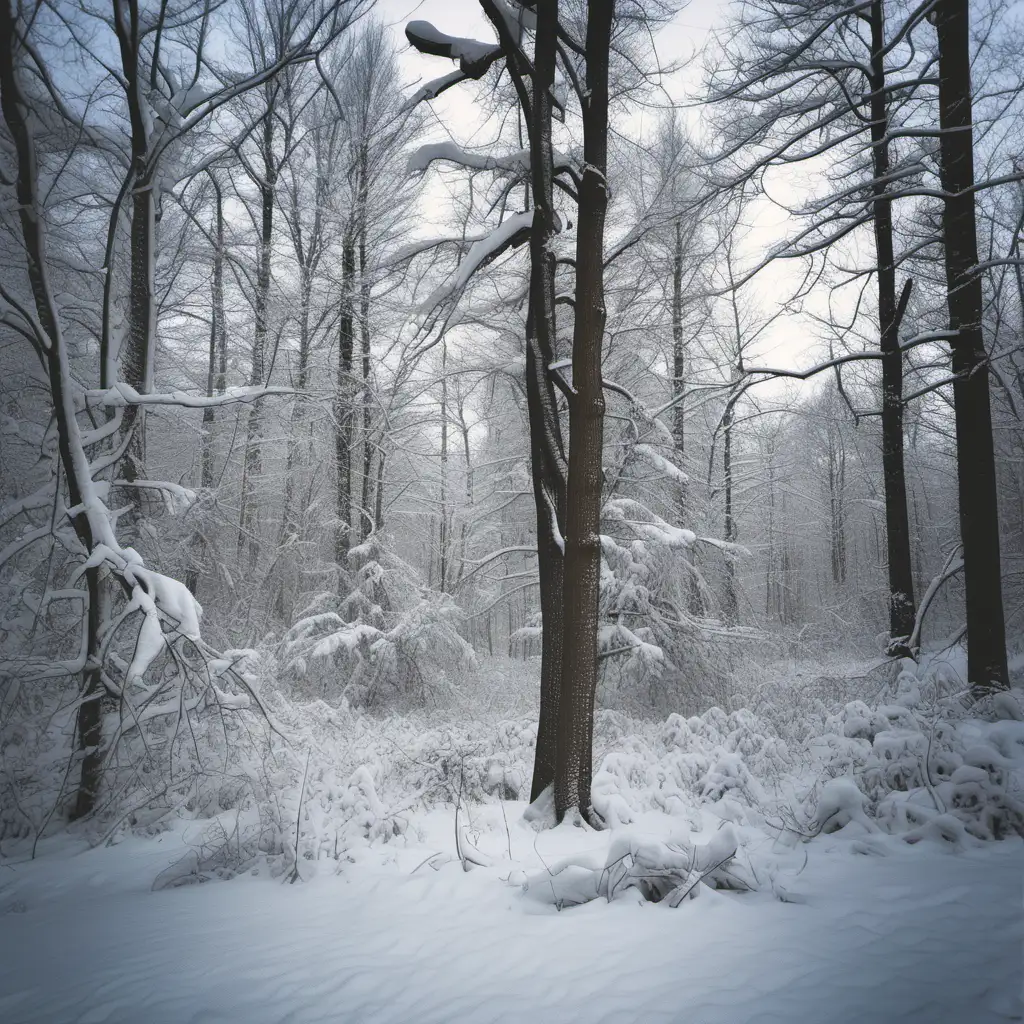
[
  {"x": 365, "y": 514},
  {"x": 443, "y": 526},
  {"x": 72, "y": 458},
  {"x": 574, "y": 766},
  {"x": 378, "y": 500},
  {"x": 547, "y": 455},
  {"x": 90, "y": 711},
  {"x": 890, "y": 314},
  {"x": 979, "y": 520},
  {"x": 730, "y": 602},
  {"x": 678, "y": 409},
  {"x": 248, "y": 527},
  {"x": 215, "y": 371},
  {"x": 137, "y": 356},
  {"x": 343, "y": 405}
]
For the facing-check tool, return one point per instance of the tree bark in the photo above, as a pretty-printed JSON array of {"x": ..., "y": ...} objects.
[
  {"x": 890, "y": 314},
  {"x": 979, "y": 519},
  {"x": 574, "y": 768},
  {"x": 343, "y": 405},
  {"x": 547, "y": 454}
]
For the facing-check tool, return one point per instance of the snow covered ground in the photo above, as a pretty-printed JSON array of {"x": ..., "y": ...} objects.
[
  {"x": 863, "y": 832},
  {"x": 872, "y": 931}
]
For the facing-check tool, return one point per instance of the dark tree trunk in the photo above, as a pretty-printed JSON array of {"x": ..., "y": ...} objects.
[
  {"x": 678, "y": 409},
  {"x": 15, "y": 109},
  {"x": 90, "y": 711},
  {"x": 979, "y": 519},
  {"x": 574, "y": 768},
  {"x": 890, "y": 313},
  {"x": 343, "y": 404},
  {"x": 136, "y": 362},
  {"x": 547, "y": 456}
]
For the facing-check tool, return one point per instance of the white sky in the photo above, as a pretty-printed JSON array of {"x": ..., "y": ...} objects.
[{"x": 788, "y": 342}]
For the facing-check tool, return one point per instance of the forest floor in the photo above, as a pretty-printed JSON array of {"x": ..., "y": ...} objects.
[
  {"x": 859, "y": 925},
  {"x": 900, "y": 933}
]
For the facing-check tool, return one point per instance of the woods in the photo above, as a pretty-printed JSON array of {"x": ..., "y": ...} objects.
[{"x": 329, "y": 389}]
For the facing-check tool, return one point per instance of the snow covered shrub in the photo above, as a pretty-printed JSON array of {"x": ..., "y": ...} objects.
[
  {"x": 656, "y": 657},
  {"x": 719, "y": 760},
  {"x": 923, "y": 765},
  {"x": 388, "y": 640},
  {"x": 643, "y": 869}
]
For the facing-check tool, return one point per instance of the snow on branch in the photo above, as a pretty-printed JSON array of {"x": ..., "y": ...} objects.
[
  {"x": 514, "y": 163},
  {"x": 474, "y": 57},
  {"x": 121, "y": 394},
  {"x": 512, "y": 232}
]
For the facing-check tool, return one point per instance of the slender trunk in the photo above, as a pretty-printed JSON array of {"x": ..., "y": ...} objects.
[
  {"x": 547, "y": 455},
  {"x": 770, "y": 582},
  {"x": 137, "y": 360},
  {"x": 137, "y": 356},
  {"x": 979, "y": 520},
  {"x": 289, "y": 518},
  {"x": 443, "y": 525},
  {"x": 343, "y": 405},
  {"x": 364, "y": 340},
  {"x": 464, "y": 529},
  {"x": 248, "y": 529},
  {"x": 378, "y": 502},
  {"x": 574, "y": 766},
  {"x": 366, "y": 517},
  {"x": 678, "y": 410},
  {"x": 730, "y": 603},
  {"x": 215, "y": 369},
  {"x": 890, "y": 313},
  {"x": 90, "y": 712}
]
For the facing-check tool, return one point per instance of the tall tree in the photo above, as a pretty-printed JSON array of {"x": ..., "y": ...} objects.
[
  {"x": 976, "y": 473},
  {"x": 574, "y": 767}
]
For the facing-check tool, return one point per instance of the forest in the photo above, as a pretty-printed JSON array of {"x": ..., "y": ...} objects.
[{"x": 497, "y": 466}]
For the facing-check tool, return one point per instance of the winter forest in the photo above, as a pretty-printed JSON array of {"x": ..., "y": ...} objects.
[{"x": 477, "y": 476}]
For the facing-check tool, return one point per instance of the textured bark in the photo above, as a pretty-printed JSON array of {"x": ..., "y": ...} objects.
[
  {"x": 547, "y": 455},
  {"x": 137, "y": 355},
  {"x": 574, "y": 768},
  {"x": 343, "y": 405},
  {"x": 979, "y": 519},
  {"x": 837, "y": 505},
  {"x": 89, "y": 724},
  {"x": 890, "y": 313}
]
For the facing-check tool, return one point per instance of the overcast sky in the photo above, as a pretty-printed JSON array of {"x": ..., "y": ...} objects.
[{"x": 787, "y": 342}]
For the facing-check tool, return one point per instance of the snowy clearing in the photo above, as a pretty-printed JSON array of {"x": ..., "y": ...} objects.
[{"x": 905, "y": 934}]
